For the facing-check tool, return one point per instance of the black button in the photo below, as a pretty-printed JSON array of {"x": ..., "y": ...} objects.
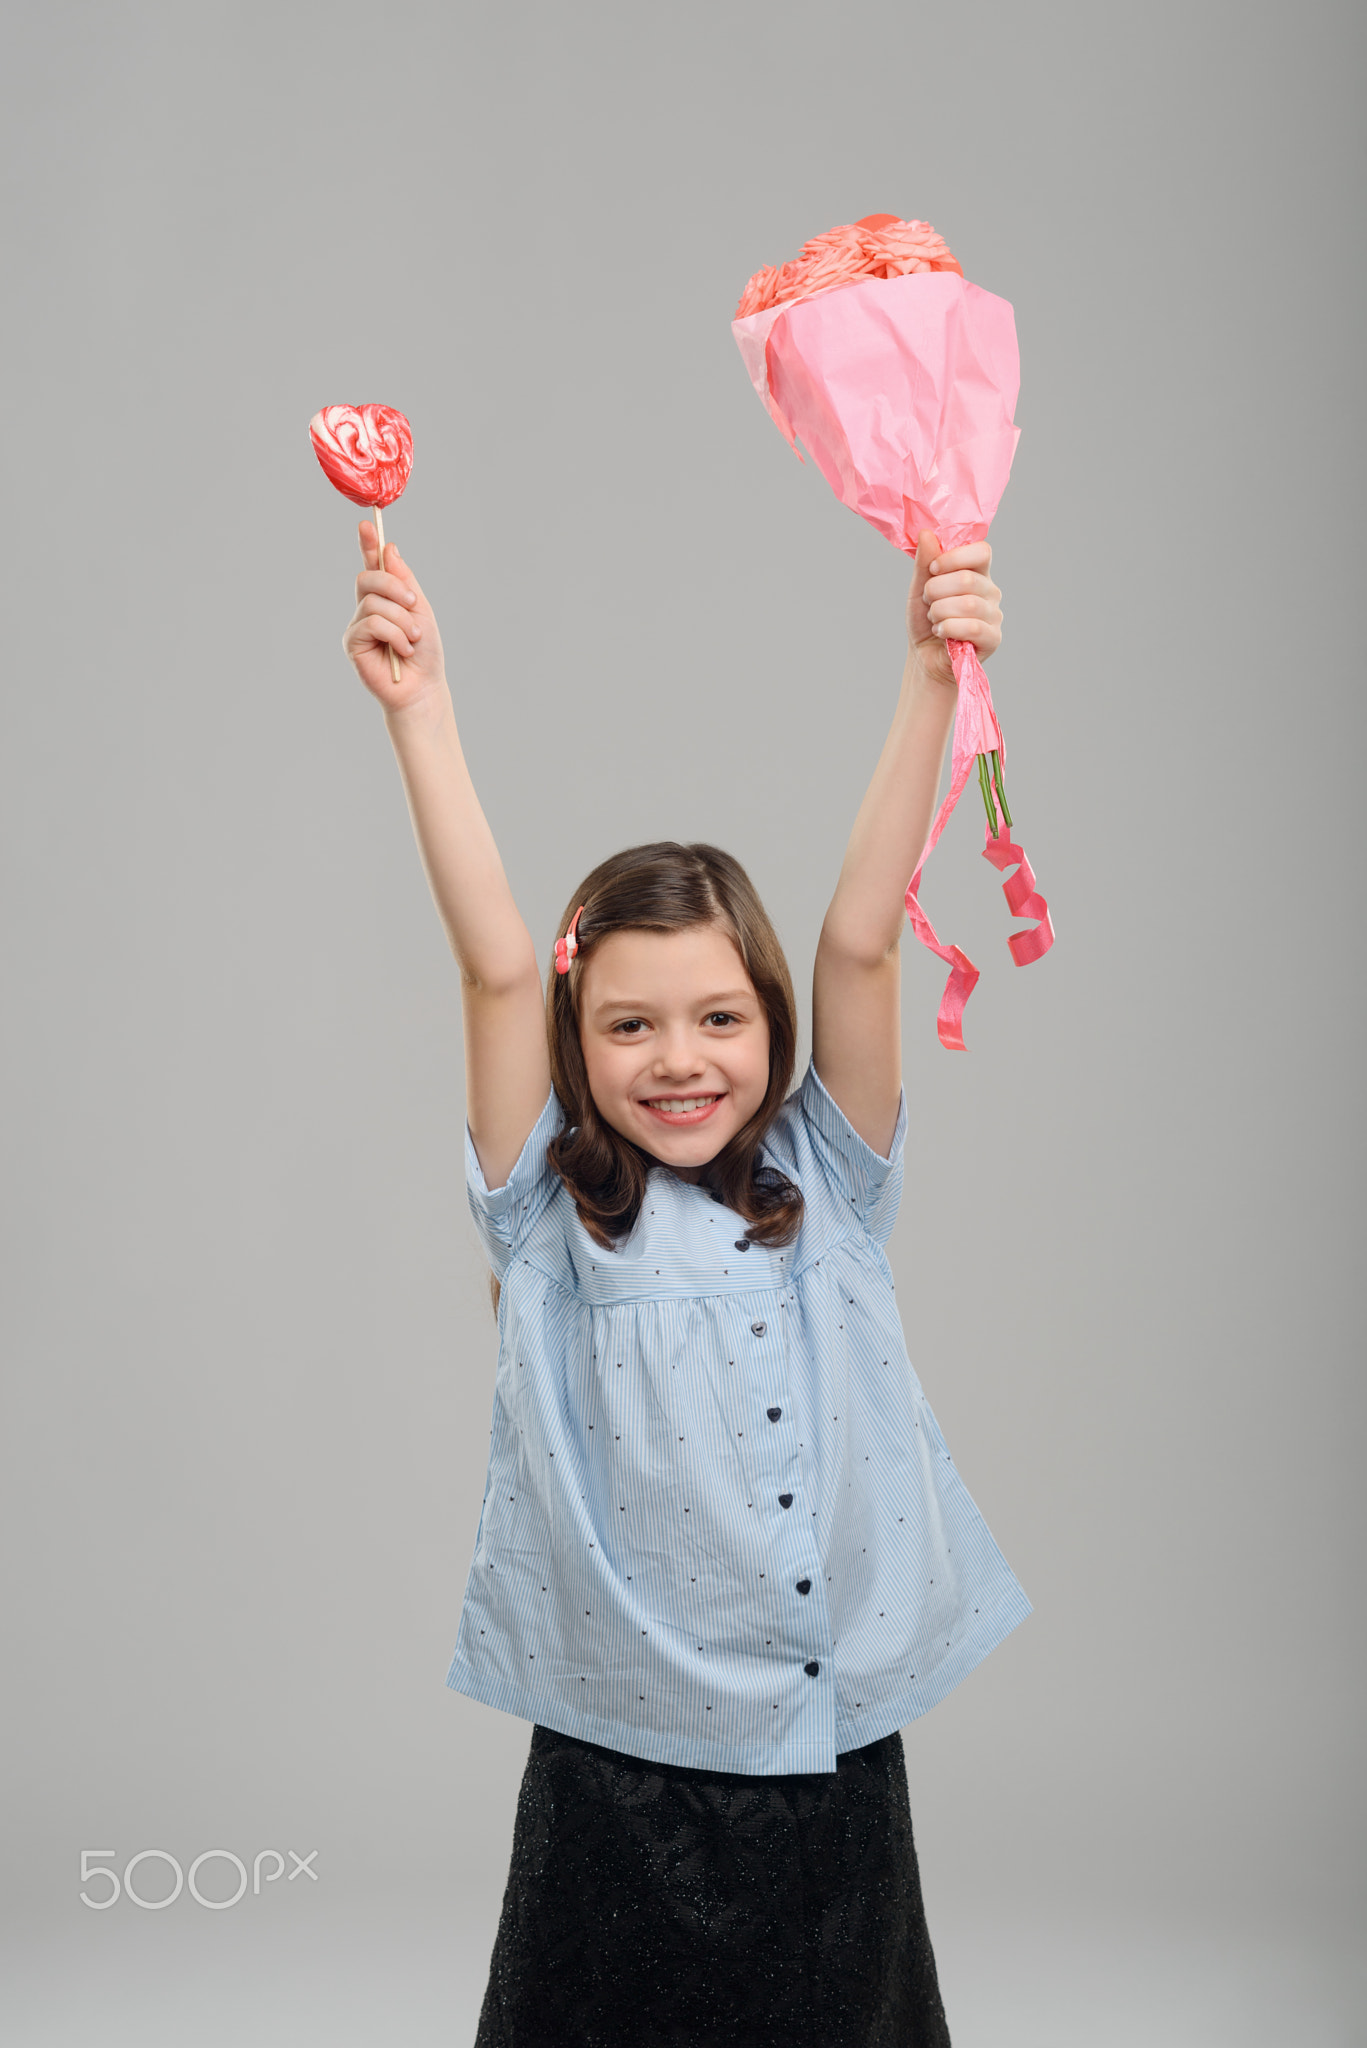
[
  {"x": 785, "y": 1500},
  {"x": 804, "y": 1585},
  {"x": 758, "y": 1329},
  {"x": 742, "y": 1244},
  {"x": 773, "y": 1413},
  {"x": 812, "y": 1668}
]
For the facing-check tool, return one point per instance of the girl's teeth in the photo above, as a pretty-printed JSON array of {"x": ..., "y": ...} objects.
[{"x": 680, "y": 1108}]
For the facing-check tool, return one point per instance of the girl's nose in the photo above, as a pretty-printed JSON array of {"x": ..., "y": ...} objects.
[{"x": 677, "y": 1058}]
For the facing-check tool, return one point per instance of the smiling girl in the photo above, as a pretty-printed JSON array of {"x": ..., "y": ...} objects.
[{"x": 723, "y": 1556}]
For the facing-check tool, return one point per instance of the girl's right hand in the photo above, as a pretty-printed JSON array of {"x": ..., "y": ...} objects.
[{"x": 391, "y": 611}]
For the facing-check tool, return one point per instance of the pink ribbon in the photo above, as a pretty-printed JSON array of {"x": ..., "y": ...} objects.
[
  {"x": 1022, "y": 899},
  {"x": 976, "y": 731}
]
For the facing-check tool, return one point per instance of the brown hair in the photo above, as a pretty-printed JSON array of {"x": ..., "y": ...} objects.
[{"x": 666, "y": 887}]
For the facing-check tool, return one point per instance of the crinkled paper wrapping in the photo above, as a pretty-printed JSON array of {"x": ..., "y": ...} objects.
[{"x": 903, "y": 391}]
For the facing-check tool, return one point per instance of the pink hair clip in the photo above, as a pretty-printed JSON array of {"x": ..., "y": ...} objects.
[{"x": 566, "y": 948}]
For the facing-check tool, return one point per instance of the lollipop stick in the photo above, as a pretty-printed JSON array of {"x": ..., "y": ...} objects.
[{"x": 379, "y": 536}]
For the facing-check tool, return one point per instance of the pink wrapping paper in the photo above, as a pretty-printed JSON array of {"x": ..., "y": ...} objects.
[{"x": 903, "y": 391}]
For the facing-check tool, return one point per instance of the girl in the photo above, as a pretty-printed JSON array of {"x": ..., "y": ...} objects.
[{"x": 724, "y": 1556}]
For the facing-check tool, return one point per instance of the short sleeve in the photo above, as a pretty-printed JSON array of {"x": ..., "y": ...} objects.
[
  {"x": 860, "y": 1179},
  {"x": 504, "y": 1216}
]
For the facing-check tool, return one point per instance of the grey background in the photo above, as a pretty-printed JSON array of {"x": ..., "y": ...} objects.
[{"x": 248, "y": 1350}]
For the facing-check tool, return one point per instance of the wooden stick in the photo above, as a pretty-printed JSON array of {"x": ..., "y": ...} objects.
[{"x": 379, "y": 535}]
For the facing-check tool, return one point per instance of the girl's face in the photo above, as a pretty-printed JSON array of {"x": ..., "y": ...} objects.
[{"x": 676, "y": 1041}]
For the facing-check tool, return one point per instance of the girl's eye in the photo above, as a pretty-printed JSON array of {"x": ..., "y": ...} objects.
[
  {"x": 721, "y": 1017},
  {"x": 630, "y": 1025}
]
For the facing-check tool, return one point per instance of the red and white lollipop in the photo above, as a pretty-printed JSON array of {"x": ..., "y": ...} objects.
[{"x": 366, "y": 452}]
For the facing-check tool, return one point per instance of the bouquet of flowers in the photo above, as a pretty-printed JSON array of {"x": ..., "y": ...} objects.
[{"x": 900, "y": 377}]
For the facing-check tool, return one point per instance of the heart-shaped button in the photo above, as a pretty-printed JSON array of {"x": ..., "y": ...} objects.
[{"x": 366, "y": 451}]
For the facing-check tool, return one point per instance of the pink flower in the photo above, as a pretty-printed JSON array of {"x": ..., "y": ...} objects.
[
  {"x": 880, "y": 245},
  {"x": 759, "y": 293}
]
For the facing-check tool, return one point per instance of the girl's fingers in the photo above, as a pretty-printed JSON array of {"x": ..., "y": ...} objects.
[
  {"x": 962, "y": 606},
  {"x": 961, "y": 580},
  {"x": 394, "y": 566},
  {"x": 383, "y": 608},
  {"x": 378, "y": 583},
  {"x": 977, "y": 555},
  {"x": 982, "y": 632},
  {"x": 926, "y": 545},
  {"x": 379, "y": 629},
  {"x": 370, "y": 552},
  {"x": 401, "y": 569},
  {"x": 957, "y": 594}
]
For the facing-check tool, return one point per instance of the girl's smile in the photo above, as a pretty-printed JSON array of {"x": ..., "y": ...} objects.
[
  {"x": 688, "y": 1110},
  {"x": 675, "y": 1039}
]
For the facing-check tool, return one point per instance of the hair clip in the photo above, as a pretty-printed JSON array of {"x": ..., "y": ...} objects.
[{"x": 566, "y": 948}]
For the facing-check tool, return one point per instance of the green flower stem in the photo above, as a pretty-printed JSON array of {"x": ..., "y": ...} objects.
[
  {"x": 1001, "y": 792},
  {"x": 986, "y": 789}
]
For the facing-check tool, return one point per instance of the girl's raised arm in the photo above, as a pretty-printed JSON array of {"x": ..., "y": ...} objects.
[
  {"x": 856, "y": 987},
  {"x": 507, "y": 1069}
]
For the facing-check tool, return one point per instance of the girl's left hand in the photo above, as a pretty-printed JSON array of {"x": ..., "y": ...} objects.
[{"x": 958, "y": 602}]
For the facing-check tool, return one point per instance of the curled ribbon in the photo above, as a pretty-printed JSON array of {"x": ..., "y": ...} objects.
[
  {"x": 1022, "y": 899},
  {"x": 977, "y": 734}
]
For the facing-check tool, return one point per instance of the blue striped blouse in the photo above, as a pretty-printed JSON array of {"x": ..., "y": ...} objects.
[{"x": 721, "y": 1527}]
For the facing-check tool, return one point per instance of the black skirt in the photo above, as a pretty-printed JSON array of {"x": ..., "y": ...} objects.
[{"x": 654, "y": 1906}]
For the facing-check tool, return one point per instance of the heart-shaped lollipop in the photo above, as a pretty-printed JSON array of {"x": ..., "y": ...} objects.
[{"x": 366, "y": 452}]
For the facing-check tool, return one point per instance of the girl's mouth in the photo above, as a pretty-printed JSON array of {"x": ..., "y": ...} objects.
[{"x": 682, "y": 1109}]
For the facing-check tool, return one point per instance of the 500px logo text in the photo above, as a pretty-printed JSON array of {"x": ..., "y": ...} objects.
[{"x": 94, "y": 1864}]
